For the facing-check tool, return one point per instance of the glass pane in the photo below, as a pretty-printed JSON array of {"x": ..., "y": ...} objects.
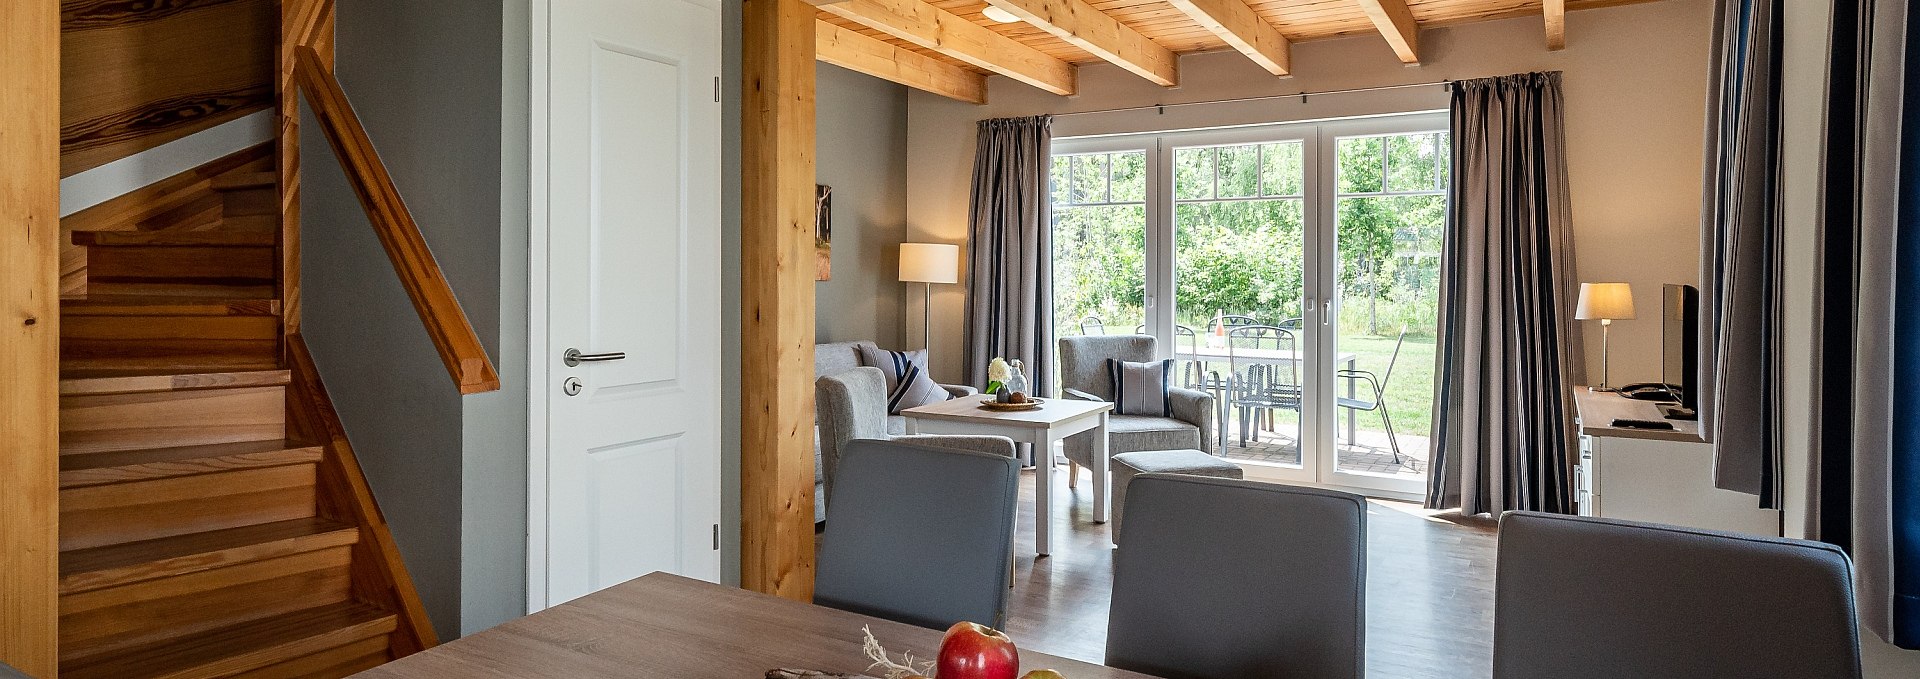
[
  {"x": 1130, "y": 177},
  {"x": 1057, "y": 180},
  {"x": 1283, "y": 169},
  {"x": 1243, "y": 260},
  {"x": 1193, "y": 173},
  {"x": 1388, "y": 270},
  {"x": 1099, "y": 269},
  {"x": 1090, "y": 179},
  {"x": 1410, "y": 162},
  {"x": 1359, "y": 170},
  {"x": 1446, "y": 160},
  {"x": 1239, "y": 171}
]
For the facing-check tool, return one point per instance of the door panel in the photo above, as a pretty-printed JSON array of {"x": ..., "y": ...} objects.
[{"x": 632, "y": 266}]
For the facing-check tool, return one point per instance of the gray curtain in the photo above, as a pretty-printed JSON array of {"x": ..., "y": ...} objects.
[
  {"x": 1010, "y": 280},
  {"x": 1508, "y": 353},
  {"x": 1865, "y": 443},
  {"x": 1740, "y": 309}
]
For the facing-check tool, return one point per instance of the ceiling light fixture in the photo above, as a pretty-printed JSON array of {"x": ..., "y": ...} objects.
[{"x": 1000, "y": 15}]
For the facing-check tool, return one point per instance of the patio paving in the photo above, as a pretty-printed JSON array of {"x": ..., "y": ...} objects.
[{"x": 1371, "y": 454}]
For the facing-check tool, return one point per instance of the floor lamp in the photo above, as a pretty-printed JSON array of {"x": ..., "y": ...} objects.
[
  {"x": 929, "y": 263},
  {"x": 1604, "y": 302}
]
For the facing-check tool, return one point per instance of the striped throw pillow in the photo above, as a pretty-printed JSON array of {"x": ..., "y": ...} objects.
[
  {"x": 1142, "y": 388},
  {"x": 908, "y": 385}
]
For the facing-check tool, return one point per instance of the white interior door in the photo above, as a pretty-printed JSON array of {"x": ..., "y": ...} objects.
[{"x": 632, "y": 261}]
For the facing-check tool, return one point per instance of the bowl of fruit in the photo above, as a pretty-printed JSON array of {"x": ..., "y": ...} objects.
[{"x": 967, "y": 651}]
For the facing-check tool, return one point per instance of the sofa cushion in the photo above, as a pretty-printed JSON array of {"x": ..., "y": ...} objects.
[{"x": 1133, "y": 432}]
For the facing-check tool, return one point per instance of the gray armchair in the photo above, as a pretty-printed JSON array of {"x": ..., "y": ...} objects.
[
  {"x": 1083, "y": 375},
  {"x": 833, "y": 358},
  {"x": 852, "y": 406}
]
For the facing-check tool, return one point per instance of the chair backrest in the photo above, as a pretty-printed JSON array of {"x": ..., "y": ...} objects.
[
  {"x": 1083, "y": 360},
  {"x": 1222, "y": 578},
  {"x": 1092, "y": 325},
  {"x": 1394, "y": 359},
  {"x": 1230, "y": 321},
  {"x": 1253, "y": 375},
  {"x": 919, "y": 535},
  {"x": 848, "y": 406},
  {"x": 833, "y": 358},
  {"x": 1579, "y": 597}
]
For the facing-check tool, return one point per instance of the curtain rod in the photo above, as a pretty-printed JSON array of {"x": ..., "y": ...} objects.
[{"x": 1302, "y": 95}]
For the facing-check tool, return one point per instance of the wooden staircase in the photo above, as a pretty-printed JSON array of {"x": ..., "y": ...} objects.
[{"x": 213, "y": 521}]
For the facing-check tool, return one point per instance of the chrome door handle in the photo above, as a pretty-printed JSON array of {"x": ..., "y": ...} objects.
[
  {"x": 1326, "y": 309},
  {"x": 573, "y": 357}
]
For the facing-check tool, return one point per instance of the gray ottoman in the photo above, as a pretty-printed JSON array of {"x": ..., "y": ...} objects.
[{"x": 1187, "y": 461}]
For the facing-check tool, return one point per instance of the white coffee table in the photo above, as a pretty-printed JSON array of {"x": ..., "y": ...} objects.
[{"x": 1055, "y": 420}]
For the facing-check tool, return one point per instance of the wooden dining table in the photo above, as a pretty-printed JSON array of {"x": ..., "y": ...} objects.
[{"x": 663, "y": 626}]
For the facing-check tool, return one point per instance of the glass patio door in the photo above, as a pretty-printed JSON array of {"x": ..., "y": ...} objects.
[{"x": 1291, "y": 270}]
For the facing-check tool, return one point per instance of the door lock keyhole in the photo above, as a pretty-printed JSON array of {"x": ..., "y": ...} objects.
[{"x": 571, "y": 386}]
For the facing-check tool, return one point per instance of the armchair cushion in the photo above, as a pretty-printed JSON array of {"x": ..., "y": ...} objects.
[
  {"x": 908, "y": 385},
  {"x": 1130, "y": 433},
  {"x": 1141, "y": 388}
]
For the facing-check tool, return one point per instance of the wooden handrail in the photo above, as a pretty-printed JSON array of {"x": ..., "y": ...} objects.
[{"x": 446, "y": 323}]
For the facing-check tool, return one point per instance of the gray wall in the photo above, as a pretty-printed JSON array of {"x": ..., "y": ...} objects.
[
  {"x": 730, "y": 76},
  {"x": 426, "y": 78},
  {"x": 861, "y": 151}
]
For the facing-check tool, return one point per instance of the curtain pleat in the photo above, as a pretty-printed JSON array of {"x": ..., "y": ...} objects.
[
  {"x": 1504, "y": 437},
  {"x": 1010, "y": 284},
  {"x": 1740, "y": 256}
]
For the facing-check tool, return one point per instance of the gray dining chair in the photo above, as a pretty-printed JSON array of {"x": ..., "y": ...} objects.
[
  {"x": 1587, "y": 598},
  {"x": 1084, "y": 376},
  {"x": 1227, "y": 579},
  {"x": 852, "y": 405},
  {"x": 919, "y": 535}
]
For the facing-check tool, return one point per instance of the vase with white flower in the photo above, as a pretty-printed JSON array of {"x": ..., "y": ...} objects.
[{"x": 1005, "y": 378}]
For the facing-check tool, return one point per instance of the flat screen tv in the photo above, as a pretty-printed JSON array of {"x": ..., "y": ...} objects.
[{"x": 1680, "y": 342}]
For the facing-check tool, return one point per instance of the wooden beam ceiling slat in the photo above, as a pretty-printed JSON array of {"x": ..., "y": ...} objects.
[
  {"x": 1396, "y": 24},
  {"x": 1240, "y": 27},
  {"x": 1090, "y": 29},
  {"x": 1555, "y": 12},
  {"x": 847, "y": 49},
  {"x": 928, "y": 26}
]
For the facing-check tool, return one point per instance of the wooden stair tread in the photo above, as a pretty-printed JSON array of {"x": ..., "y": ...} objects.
[
  {"x": 99, "y": 567},
  {"x": 267, "y": 223},
  {"x": 176, "y": 237},
  {"x": 86, "y": 381},
  {"x": 236, "y": 181},
  {"x": 167, "y": 305},
  {"x": 238, "y": 648},
  {"x": 92, "y": 469}
]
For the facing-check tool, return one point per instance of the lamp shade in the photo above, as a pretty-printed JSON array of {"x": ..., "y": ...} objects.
[
  {"x": 1604, "y": 301},
  {"x": 929, "y": 263}
]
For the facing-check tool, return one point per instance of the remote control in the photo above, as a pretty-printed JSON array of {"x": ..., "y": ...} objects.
[{"x": 1641, "y": 424}]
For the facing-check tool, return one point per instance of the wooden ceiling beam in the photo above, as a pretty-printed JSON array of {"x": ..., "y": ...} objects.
[
  {"x": 936, "y": 29},
  {"x": 1090, "y": 29},
  {"x": 1396, "y": 24},
  {"x": 1556, "y": 16},
  {"x": 1237, "y": 24},
  {"x": 853, "y": 51}
]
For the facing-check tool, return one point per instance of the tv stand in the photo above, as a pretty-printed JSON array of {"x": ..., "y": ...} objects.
[{"x": 1657, "y": 475}]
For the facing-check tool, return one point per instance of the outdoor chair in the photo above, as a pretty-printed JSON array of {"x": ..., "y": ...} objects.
[
  {"x": 1092, "y": 325},
  {"x": 1193, "y": 372},
  {"x": 1379, "y": 402},
  {"x": 1260, "y": 385}
]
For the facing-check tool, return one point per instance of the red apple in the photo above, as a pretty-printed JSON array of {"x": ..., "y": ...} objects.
[{"x": 975, "y": 651}]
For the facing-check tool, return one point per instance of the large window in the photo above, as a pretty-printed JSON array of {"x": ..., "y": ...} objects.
[{"x": 1289, "y": 269}]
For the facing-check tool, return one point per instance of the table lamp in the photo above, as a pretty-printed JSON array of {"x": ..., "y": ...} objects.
[
  {"x": 1604, "y": 302},
  {"x": 929, "y": 263}
]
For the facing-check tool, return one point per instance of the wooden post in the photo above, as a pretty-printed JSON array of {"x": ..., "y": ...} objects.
[
  {"x": 303, "y": 23},
  {"x": 776, "y": 296},
  {"x": 29, "y": 334}
]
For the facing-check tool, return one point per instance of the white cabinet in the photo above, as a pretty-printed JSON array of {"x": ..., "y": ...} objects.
[
  {"x": 1654, "y": 476},
  {"x": 1663, "y": 482}
]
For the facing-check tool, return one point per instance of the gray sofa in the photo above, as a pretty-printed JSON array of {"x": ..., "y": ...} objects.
[{"x": 834, "y": 358}]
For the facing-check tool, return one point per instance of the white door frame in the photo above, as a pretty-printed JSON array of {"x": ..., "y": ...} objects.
[{"x": 540, "y": 372}]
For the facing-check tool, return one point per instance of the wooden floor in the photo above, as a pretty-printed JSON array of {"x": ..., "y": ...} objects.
[{"x": 1429, "y": 589}]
